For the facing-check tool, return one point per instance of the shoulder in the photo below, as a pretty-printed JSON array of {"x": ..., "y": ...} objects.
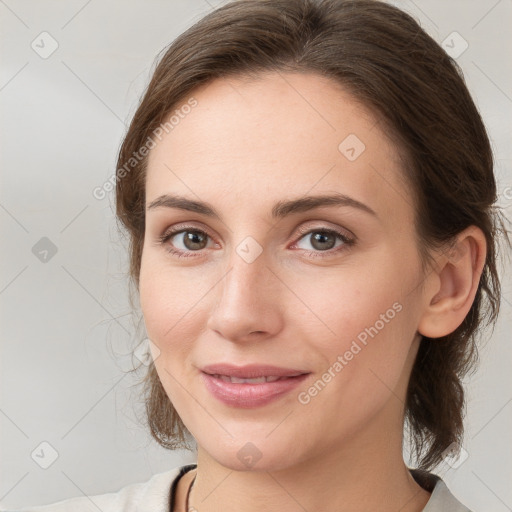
[
  {"x": 153, "y": 496},
  {"x": 149, "y": 496},
  {"x": 441, "y": 499}
]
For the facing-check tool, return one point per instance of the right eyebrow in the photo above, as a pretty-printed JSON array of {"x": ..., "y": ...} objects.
[{"x": 183, "y": 203}]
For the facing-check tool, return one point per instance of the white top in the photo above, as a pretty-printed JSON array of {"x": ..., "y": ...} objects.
[{"x": 153, "y": 496}]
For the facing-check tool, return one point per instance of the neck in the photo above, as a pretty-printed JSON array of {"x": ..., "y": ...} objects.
[{"x": 367, "y": 473}]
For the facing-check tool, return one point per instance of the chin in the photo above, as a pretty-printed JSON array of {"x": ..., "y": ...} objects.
[{"x": 253, "y": 453}]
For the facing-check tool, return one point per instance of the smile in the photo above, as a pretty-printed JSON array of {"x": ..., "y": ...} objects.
[{"x": 249, "y": 392}]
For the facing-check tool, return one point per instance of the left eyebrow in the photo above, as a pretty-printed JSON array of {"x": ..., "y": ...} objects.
[
  {"x": 280, "y": 210},
  {"x": 283, "y": 208}
]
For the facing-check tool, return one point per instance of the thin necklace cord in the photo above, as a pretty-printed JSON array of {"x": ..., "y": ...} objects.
[{"x": 188, "y": 493}]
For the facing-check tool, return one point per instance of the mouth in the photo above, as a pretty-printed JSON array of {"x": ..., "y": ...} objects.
[
  {"x": 255, "y": 380},
  {"x": 251, "y": 371},
  {"x": 250, "y": 392}
]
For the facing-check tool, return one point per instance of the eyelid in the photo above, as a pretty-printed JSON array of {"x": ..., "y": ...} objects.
[
  {"x": 304, "y": 230},
  {"x": 182, "y": 226},
  {"x": 179, "y": 228}
]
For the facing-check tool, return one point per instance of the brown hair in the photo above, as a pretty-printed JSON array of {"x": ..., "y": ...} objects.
[{"x": 387, "y": 62}]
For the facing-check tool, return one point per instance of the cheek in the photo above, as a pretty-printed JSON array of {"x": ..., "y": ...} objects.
[
  {"x": 172, "y": 303},
  {"x": 365, "y": 324},
  {"x": 171, "y": 324},
  {"x": 344, "y": 304}
]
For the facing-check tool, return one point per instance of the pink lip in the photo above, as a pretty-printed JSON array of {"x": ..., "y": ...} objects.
[{"x": 244, "y": 395}]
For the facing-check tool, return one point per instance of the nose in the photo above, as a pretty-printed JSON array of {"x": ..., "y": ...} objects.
[{"x": 247, "y": 301}]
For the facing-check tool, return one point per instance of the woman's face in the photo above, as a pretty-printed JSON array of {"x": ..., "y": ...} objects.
[{"x": 266, "y": 283}]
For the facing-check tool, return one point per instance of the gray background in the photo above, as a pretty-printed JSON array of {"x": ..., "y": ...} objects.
[{"x": 67, "y": 327}]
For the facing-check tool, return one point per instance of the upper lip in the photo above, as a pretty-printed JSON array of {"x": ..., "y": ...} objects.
[{"x": 250, "y": 371}]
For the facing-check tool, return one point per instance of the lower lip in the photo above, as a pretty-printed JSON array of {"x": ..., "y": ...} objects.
[{"x": 245, "y": 395}]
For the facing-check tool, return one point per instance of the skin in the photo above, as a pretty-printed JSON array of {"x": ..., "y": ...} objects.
[{"x": 247, "y": 145}]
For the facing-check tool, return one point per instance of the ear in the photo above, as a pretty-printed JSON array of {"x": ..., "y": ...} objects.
[{"x": 452, "y": 285}]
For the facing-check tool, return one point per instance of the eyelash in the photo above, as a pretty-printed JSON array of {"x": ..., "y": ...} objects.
[{"x": 347, "y": 242}]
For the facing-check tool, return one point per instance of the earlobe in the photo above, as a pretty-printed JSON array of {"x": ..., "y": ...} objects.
[{"x": 455, "y": 281}]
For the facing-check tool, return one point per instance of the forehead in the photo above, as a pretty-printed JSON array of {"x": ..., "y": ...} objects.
[{"x": 282, "y": 135}]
